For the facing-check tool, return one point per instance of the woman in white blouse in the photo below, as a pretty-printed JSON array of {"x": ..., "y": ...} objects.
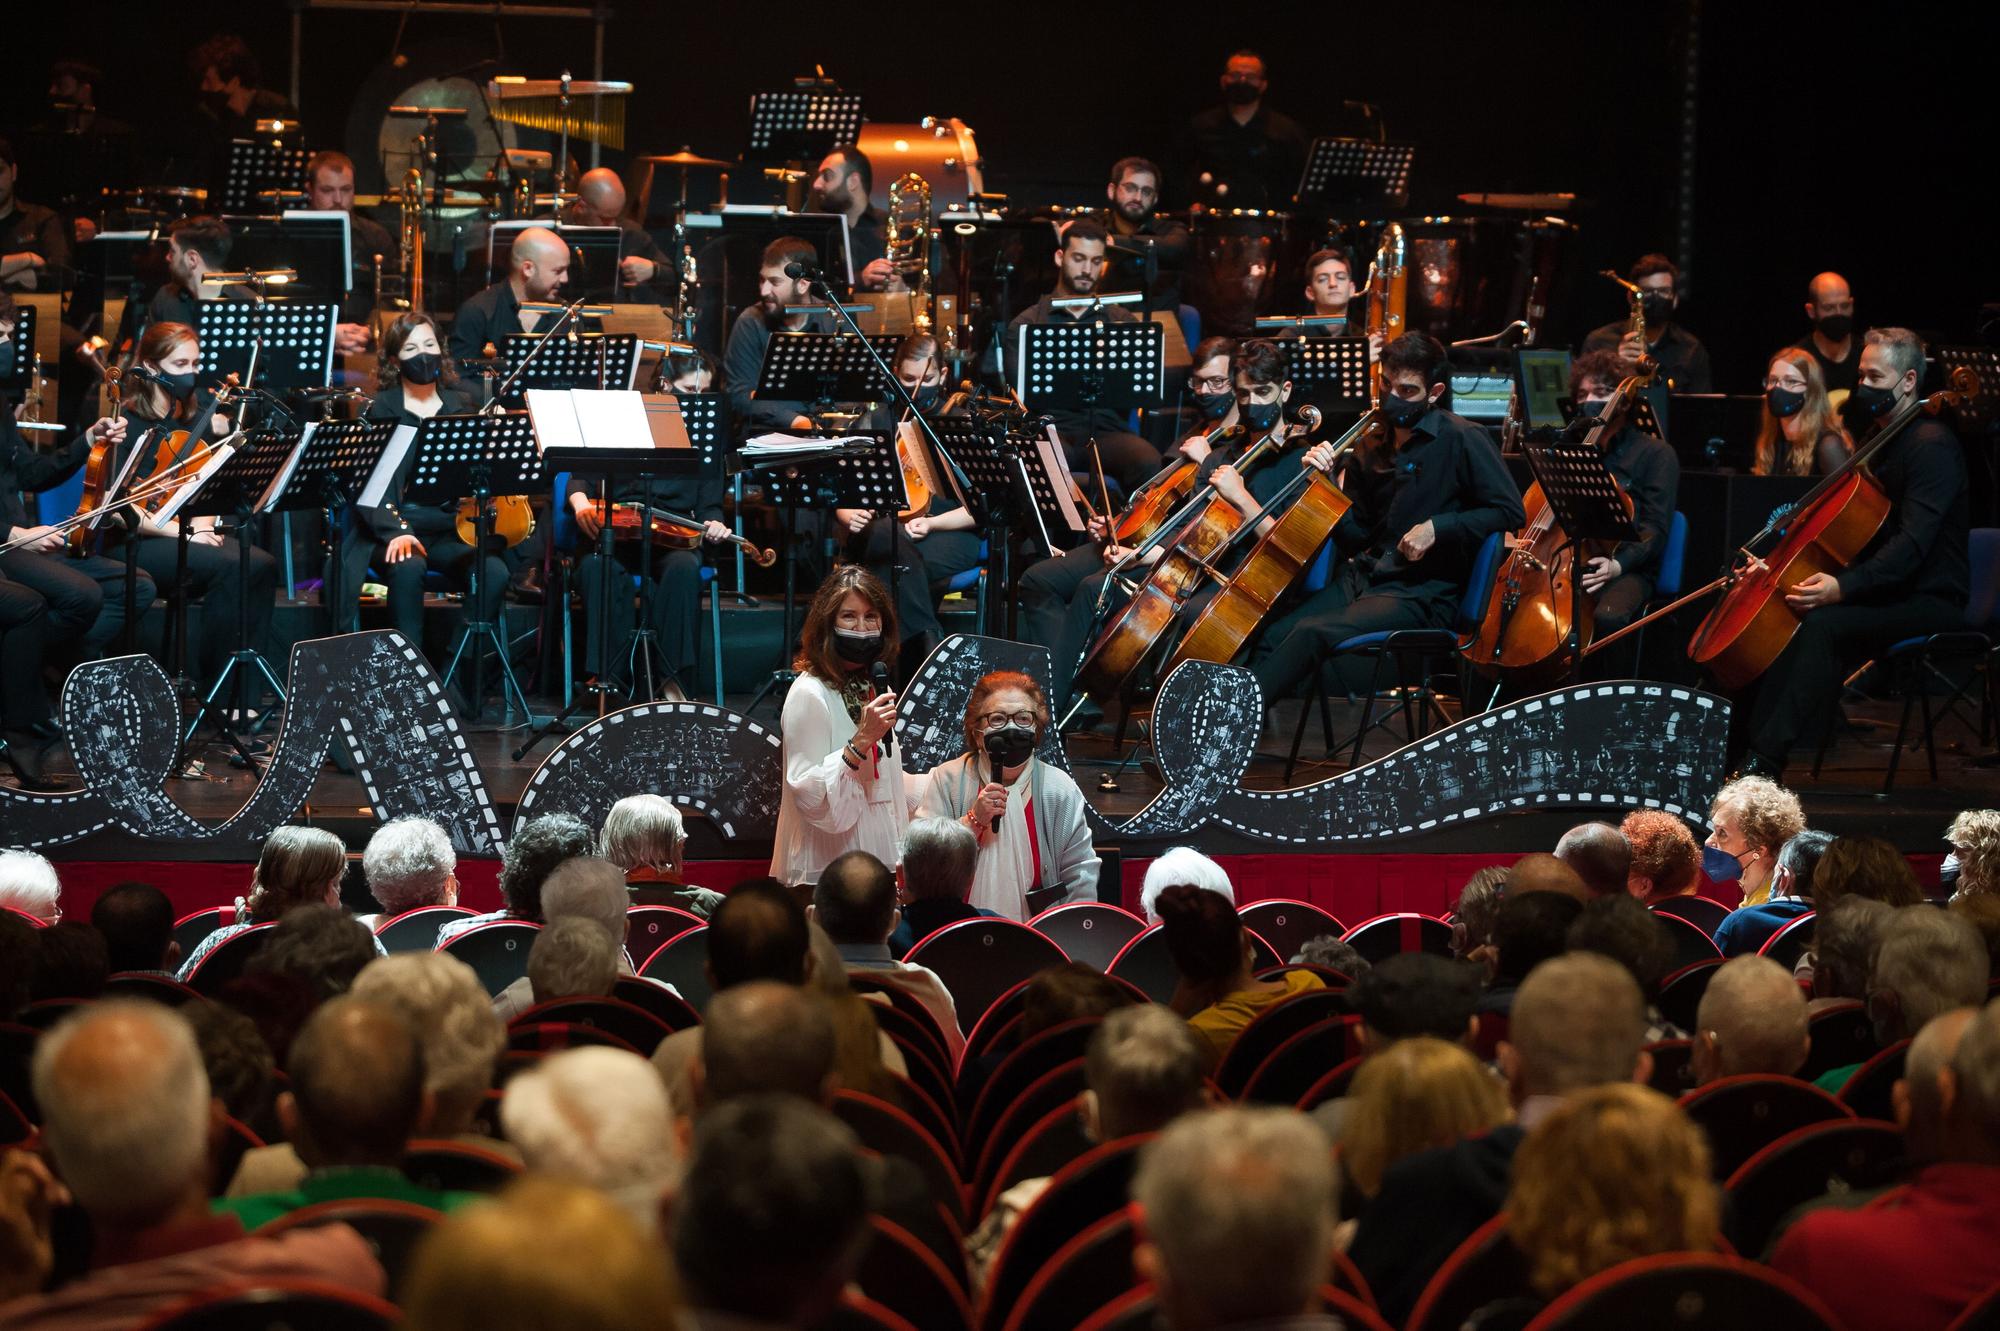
[
  {"x": 1029, "y": 817},
  {"x": 843, "y": 789}
]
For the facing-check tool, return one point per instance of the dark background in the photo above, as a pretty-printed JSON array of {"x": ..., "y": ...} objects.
[{"x": 1829, "y": 135}]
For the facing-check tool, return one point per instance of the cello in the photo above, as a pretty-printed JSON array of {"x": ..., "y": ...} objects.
[
  {"x": 1160, "y": 497},
  {"x": 1526, "y": 632}
]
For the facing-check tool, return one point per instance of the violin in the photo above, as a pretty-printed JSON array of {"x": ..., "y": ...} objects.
[
  {"x": 182, "y": 452},
  {"x": 667, "y": 532},
  {"x": 96, "y": 473},
  {"x": 1162, "y": 495},
  {"x": 916, "y": 482}
]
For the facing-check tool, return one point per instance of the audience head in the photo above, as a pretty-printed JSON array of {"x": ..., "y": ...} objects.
[
  {"x": 643, "y": 832},
  {"x": 1845, "y": 938},
  {"x": 1066, "y": 992},
  {"x": 1749, "y": 820},
  {"x": 28, "y": 884},
  {"x": 1752, "y": 1019},
  {"x": 772, "y": 1214},
  {"x": 126, "y": 1113},
  {"x": 1972, "y": 1095},
  {"x": 1181, "y": 865},
  {"x": 322, "y": 947},
  {"x": 1531, "y": 928},
  {"x": 1798, "y": 864},
  {"x": 238, "y": 1062},
  {"x": 766, "y": 1038},
  {"x": 1478, "y": 907},
  {"x": 137, "y": 921},
  {"x": 940, "y": 856},
  {"x": 1542, "y": 872},
  {"x": 1666, "y": 859},
  {"x": 1143, "y": 1070},
  {"x": 410, "y": 863},
  {"x": 598, "y": 1117},
  {"x": 299, "y": 866},
  {"x": 1333, "y": 952},
  {"x": 1981, "y": 910},
  {"x": 588, "y": 889},
  {"x": 1974, "y": 838},
  {"x": 572, "y": 957},
  {"x": 441, "y": 999},
  {"x": 1236, "y": 1216},
  {"x": 1628, "y": 933},
  {"x": 1416, "y": 1095},
  {"x": 1929, "y": 962},
  {"x": 534, "y": 852},
  {"x": 1599, "y": 854},
  {"x": 855, "y": 899},
  {"x": 1578, "y": 1021},
  {"x": 1204, "y": 937},
  {"x": 1614, "y": 1173},
  {"x": 357, "y": 1086},
  {"x": 1415, "y": 993},
  {"x": 759, "y": 933},
  {"x": 1917, "y": 1096},
  {"x": 543, "y": 1253},
  {"x": 1864, "y": 866},
  {"x": 70, "y": 962}
]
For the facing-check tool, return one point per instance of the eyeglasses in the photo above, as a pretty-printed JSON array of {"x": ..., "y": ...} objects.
[
  {"x": 1218, "y": 384},
  {"x": 995, "y": 720}
]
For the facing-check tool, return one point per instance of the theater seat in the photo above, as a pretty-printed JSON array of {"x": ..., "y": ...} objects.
[
  {"x": 1742, "y": 1115},
  {"x": 1837, "y": 1156},
  {"x": 1401, "y": 931},
  {"x": 1680, "y": 992},
  {"x": 1288, "y": 924},
  {"x": 905, "y": 1277},
  {"x": 452, "y": 1166},
  {"x": 1790, "y": 942},
  {"x": 1484, "y": 1269},
  {"x": 1271, "y": 1028},
  {"x": 1701, "y": 911},
  {"x": 1091, "y": 932},
  {"x": 683, "y": 963},
  {"x": 300, "y": 1305},
  {"x": 417, "y": 930},
  {"x": 979, "y": 960},
  {"x": 1704, "y": 1290},
  {"x": 1139, "y": 1310},
  {"x": 636, "y": 1027},
  {"x": 226, "y": 960},
  {"x": 393, "y": 1228},
  {"x": 1145, "y": 963},
  {"x": 1083, "y": 1192},
  {"x": 497, "y": 952},
  {"x": 1868, "y": 1091}
]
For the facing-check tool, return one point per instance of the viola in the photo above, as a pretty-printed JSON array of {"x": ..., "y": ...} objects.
[
  {"x": 632, "y": 522},
  {"x": 181, "y": 453}
]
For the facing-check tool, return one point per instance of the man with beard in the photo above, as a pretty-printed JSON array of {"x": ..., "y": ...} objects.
[
  {"x": 1683, "y": 359},
  {"x": 1133, "y": 192},
  {"x": 195, "y": 246},
  {"x": 842, "y": 186},
  {"x": 330, "y": 189},
  {"x": 744, "y": 355}
]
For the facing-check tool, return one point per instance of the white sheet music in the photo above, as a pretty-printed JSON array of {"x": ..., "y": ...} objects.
[
  {"x": 588, "y": 418},
  {"x": 222, "y": 452},
  {"x": 377, "y": 489}
]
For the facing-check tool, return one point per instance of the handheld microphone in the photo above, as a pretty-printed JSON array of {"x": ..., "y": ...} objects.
[{"x": 879, "y": 673}]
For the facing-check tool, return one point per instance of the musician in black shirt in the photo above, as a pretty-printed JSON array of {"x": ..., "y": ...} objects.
[
  {"x": 233, "y": 99},
  {"x": 1133, "y": 193},
  {"x": 196, "y": 246},
  {"x": 537, "y": 267},
  {"x": 31, "y": 236},
  {"x": 842, "y": 185},
  {"x": 1683, "y": 359},
  {"x": 1912, "y": 579},
  {"x": 1650, "y": 473},
  {"x": 330, "y": 188},
  {"x": 1424, "y": 502},
  {"x": 1243, "y": 154},
  {"x": 600, "y": 201},
  {"x": 1833, "y": 341},
  {"x": 743, "y": 356}
]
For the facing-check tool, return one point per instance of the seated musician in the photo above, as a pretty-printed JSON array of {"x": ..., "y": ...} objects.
[
  {"x": 1833, "y": 341},
  {"x": 399, "y": 540},
  {"x": 1243, "y": 154},
  {"x": 1330, "y": 291},
  {"x": 31, "y": 236},
  {"x": 330, "y": 189},
  {"x": 196, "y": 246},
  {"x": 1128, "y": 459},
  {"x": 160, "y": 400},
  {"x": 1424, "y": 502},
  {"x": 600, "y": 201},
  {"x": 1134, "y": 192},
  {"x": 1801, "y": 434},
  {"x": 232, "y": 98},
  {"x": 743, "y": 356},
  {"x": 1059, "y": 596},
  {"x": 929, "y": 548},
  {"x": 537, "y": 267},
  {"x": 1683, "y": 359},
  {"x": 842, "y": 185},
  {"x": 1648, "y": 470},
  {"x": 1912, "y": 579}
]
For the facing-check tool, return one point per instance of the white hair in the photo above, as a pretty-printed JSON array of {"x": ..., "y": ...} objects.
[
  {"x": 125, "y": 1107},
  {"x": 591, "y": 889},
  {"x": 28, "y": 883},
  {"x": 643, "y": 830},
  {"x": 408, "y": 863},
  {"x": 445, "y": 1004},
  {"x": 1182, "y": 865},
  {"x": 598, "y": 1117},
  {"x": 572, "y": 958}
]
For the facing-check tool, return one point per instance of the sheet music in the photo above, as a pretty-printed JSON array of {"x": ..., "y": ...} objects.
[
  {"x": 1049, "y": 445},
  {"x": 554, "y": 418},
  {"x": 373, "y": 493},
  {"x": 284, "y": 476},
  {"x": 611, "y": 419},
  {"x": 771, "y": 446}
]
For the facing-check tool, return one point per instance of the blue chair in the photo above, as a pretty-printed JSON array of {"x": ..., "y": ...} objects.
[
  {"x": 971, "y": 580},
  {"x": 1190, "y": 319},
  {"x": 1410, "y": 650},
  {"x": 1667, "y": 585},
  {"x": 55, "y": 504},
  {"x": 563, "y": 536}
]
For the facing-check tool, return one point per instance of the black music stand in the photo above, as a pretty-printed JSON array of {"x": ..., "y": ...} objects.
[
  {"x": 22, "y": 371},
  {"x": 292, "y": 345},
  {"x": 1014, "y": 478},
  {"x": 839, "y": 477},
  {"x": 1331, "y": 373},
  {"x": 1356, "y": 177},
  {"x": 1589, "y": 506},
  {"x": 825, "y": 368},
  {"x": 1083, "y": 366},
  {"x": 335, "y": 462},
  {"x": 254, "y": 166},
  {"x": 479, "y": 456},
  {"x": 593, "y": 360},
  {"x": 317, "y": 245},
  {"x": 803, "y": 123}
]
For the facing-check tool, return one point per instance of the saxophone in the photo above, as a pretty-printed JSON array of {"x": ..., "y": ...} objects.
[
  {"x": 907, "y": 245},
  {"x": 1635, "y": 324}
]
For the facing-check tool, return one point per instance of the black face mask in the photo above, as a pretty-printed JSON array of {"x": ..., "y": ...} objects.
[
  {"x": 7, "y": 359},
  {"x": 1402, "y": 413},
  {"x": 927, "y": 397},
  {"x": 1261, "y": 416},
  {"x": 1836, "y": 327},
  {"x": 1010, "y": 745},
  {"x": 179, "y": 387},
  {"x": 424, "y": 368},
  {"x": 1589, "y": 410},
  {"x": 217, "y": 101},
  {"x": 1214, "y": 406},
  {"x": 857, "y": 649},
  {"x": 1659, "y": 310},
  {"x": 1784, "y": 402},
  {"x": 1240, "y": 94},
  {"x": 1872, "y": 402}
]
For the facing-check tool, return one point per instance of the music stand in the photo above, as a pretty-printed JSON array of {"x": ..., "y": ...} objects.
[
  {"x": 292, "y": 344},
  {"x": 1356, "y": 177},
  {"x": 1021, "y": 483},
  {"x": 1091, "y": 364},
  {"x": 335, "y": 462},
  {"x": 803, "y": 123},
  {"x": 600, "y": 247},
  {"x": 1338, "y": 365},
  {"x": 18, "y": 378},
  {"x": 824, "y": 367},
  {"x": 478, "y": 456},
  {"x": 593, "y": 360},
  {"x": 256, "y": 165},
  {"x": 1590, "y": 507},
  {"x": 1978, "y": 415},
  {"x": 318, "y": 246}
]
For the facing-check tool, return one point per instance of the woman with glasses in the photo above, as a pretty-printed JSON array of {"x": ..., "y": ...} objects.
[
  {"x": 1801, "y": 434},
  {"x": 1034, "y": 837}
]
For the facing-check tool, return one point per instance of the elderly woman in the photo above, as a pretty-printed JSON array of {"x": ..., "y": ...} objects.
[
  {"x": 1973, "y": 867},
  {"x": 1033, "y": 835},
  {"x": 644, "y": 836},
  {"x": 1751, "y": 819},
  {"x": 299, "y": 866},
  {"x": 409, "y": 864},
  {"x": 29, "y": 885}
]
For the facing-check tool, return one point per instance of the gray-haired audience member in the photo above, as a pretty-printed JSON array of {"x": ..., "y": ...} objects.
[
  {"x": 1177, "y": 866},
  {"x": 1752, "y": 1019},
  {"x": 1600, "y": 855},
  {"x": 1929, "y": 962},
  {"x": 1845, "y": 938},
  {"x": 645, "y": 836},
  {"x": 1238, "y": 1218},
  {"x": 532, "y": 854},
  {"x": 409, "y": 863},
  {"x": 586, "y": 889},
  {"x": 1142, "y": 1070},
  {"x": 28, "y": 884},
  {"x": 572, "y": 958},
  {"x": 598, "y": 1117},
  {"x": 940, "y": 856},
  {"x": 1332, "y": 952}
]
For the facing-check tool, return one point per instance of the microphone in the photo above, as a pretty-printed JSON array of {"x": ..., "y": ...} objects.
[
  {"x": 798, "y": 269},
  {"x": 879, "y": 673}
]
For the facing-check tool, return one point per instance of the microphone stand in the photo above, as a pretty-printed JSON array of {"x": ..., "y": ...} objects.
[{"x": 493, "y": 405}]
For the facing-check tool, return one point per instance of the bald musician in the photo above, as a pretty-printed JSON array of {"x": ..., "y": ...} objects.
[
  {"x": 537, "y": 267},
  {"x": 600, "y": 201}
]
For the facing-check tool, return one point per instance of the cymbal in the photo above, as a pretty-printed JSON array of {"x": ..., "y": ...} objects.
[{"x": 684, "y": 158}]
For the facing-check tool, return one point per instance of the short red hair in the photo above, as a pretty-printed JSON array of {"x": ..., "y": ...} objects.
[{"x": 1663, "y": 849}]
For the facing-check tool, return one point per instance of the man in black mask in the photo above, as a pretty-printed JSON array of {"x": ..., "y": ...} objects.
[
  {"x": 1649, "y": 471},
  {"x": 842, "y": 186},
  {"x": 1830, "y": 310},
  {"x": 1243, "y": 154},
  {"x": 1912, "y": 579},
  {"x": 1683, "y": 359}
]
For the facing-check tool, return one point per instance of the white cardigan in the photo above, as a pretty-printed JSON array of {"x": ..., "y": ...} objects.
[
  {"x": 1060, "y": 838},
  {"x": 826, "y": 808}
]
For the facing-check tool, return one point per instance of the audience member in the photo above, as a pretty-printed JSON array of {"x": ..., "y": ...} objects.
[
  {"x": 866, "y": 1059},
  {"x": 1916, "y": 1261},
  {"x": 1217, "y": 990},
  {"x": 1066, "y": 992},
  {"x": 598, "y": 1117},
  {"x": 644, "y": 836},
  {"x": 533, "y": 853},
  {"x": 1416, "y": 1095},
  {"x": 1416, "y": 993},
  {"x": 543, "y": 1254},
  {"x": 765, "y": 1038},
  {"x": 772, "y": 1215},
  {"x": 1600, "y": 855},
  {"x": 1749, "y": 820},
  {"x": 1928, "y": 962},
  {"x": 1634, "y": 937},
  {"x": 1183, "y": 866},
  {"x": 1748, "y": 929},
  {"x": 1752, "y": 1019},
  {"x": 1542, "y": 872},
  {"x": 127, "y": 1122},
  {"x": 1578, "y": 1022},
  {"x": 585, "y": 888},
  {"x": 1864, "y": 866},
  {"x": 855, "y": 902},
  {"x": 28, "y": 884},
  {"x": 1236, "y": 1219},
  {"x": 934, "y": 880},
  {"x": 298, "y": 866},
  {"x": 1981, "y": 910},
  {"x": 1845, "y": 937},
  {"x": 1919, "y": 1109},
  {"x": 1333, "y": 952},
  {"x": 1973, "y": 867},
  {"x": 322, "y": 947},
  {"x": 409, "y": 864},
  {"x": 17, "y": 963},
  {"x": 571, "y": 958},
  {"x": 1532, "y": 926},
  {"x": 356, "y": 1098},
  {"x": 70, "y": 962},
  {"x": 137, "y": 921},
  {"x": 241, "y": 1071},
  {"x": 1666, "y": 860},
  {"x": 1478, "y": 907}
]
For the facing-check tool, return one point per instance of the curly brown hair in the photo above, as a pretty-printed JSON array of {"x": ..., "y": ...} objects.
[
  {"x": 1975, "y": 836},
  {"x": 816, "y": 655},
  {"x": 1663, "y": 849},
  {"x": 1767, "y": 814},
  {"x": 387, "y": 370}
]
